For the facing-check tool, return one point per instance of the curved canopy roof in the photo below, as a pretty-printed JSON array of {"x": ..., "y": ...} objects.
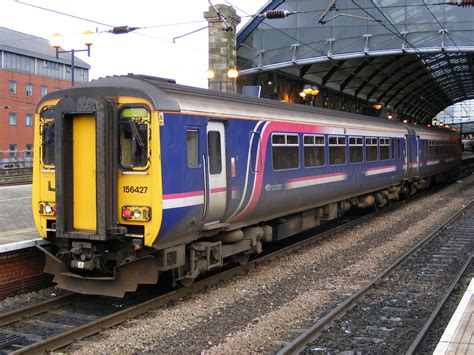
[{"x": 413, "y": 56}]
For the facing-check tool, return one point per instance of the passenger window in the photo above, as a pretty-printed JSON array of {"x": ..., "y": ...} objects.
[
  {"x": 314, "y": 151},
  {"x": 214, "y": 151},
  {"x": 337, "y": 150},
  {"x": 285, "y": 151},
  {"x": 134, "y": 138},
  {"x": 371, "y": 149},
  {"x": 384, "y": 148},
  {"x": 356, "y": 149},
  {"x": 192, "y": 143}
]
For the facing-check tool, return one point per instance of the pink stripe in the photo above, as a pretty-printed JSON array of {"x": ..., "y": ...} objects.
[
  {"x": 315, "y": 177},
  {"x": 271, "y": 128},
  {"x": 183, "y": 195},
  {"x": 382, "y": 167},
  {"x": 218, "y": 189}
]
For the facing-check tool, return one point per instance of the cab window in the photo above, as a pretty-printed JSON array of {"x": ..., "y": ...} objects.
[
  {"x": 47, "y": 133},
  {"x": 134, "y": 138}
]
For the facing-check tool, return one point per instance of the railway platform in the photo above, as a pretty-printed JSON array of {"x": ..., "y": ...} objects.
[
  {"x": 21, "y": 263},
  {"x": 458, "y": 337}
]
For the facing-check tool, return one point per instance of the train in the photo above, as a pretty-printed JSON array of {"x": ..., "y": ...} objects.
[{"x": 137, "y": 176}]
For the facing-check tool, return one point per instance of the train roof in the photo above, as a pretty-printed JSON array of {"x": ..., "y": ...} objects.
[{"x": 168, "y": 96}]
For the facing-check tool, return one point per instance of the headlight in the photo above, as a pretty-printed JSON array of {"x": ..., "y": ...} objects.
[{"x": 136, "y": 213}]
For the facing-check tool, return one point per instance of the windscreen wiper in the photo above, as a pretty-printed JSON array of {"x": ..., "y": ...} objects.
[{"x": 136, "y": 134}]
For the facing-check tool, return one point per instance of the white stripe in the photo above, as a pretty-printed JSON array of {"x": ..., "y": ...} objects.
[
  {"x": 450, "y": 159},
  {"x": 380, "y": 171},
  {"x": 183, "y": 202},
  {"x": 315, "y": 181},
  {"x": 256, "y": 164},
  {"x": 432, "y": 162},
  {"x": 249, "y": 158}
]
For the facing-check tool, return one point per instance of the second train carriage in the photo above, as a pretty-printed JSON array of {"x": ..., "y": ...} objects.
[{"x": 137, "y": 175}]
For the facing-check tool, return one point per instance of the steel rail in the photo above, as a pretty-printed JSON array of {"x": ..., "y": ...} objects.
[
  {"x": 421, "y": 335},
  {"x": 300, "y": 342},
  {"x": 34, "y": 310},
  {"x": 68, "y": 337}
]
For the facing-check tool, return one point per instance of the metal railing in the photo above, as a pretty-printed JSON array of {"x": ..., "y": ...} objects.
[{"x": 11, "y": 159}]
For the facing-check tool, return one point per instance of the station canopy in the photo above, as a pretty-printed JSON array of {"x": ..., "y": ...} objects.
[{"x": 414, "y": 57}]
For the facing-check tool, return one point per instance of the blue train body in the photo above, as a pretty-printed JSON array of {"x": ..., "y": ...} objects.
[{"x": 185, "y": 179}]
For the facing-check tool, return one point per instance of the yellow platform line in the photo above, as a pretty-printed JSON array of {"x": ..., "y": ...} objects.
[{"x": 17, "y": 231}]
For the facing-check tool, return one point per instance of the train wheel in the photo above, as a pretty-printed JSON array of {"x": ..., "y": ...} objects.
[
  {"x": 242, "y": 258},
  {"x": 405, "y": 191},
  {"x": 187, "y": 281}
]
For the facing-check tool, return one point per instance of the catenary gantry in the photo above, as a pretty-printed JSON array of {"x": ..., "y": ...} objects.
[{"x": 415, "y": 57}]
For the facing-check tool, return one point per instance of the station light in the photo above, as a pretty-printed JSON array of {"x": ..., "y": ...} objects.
[
  {"x": 56, "y": 40},
  {"x": 377, "y": 106},
  {"x": 232, "y": 73},
  {"x": 210, "y": 74}
]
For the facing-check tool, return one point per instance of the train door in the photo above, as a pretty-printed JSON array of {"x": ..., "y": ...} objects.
[
  {"x": 412, "y": 155},
  {"x": 84, "y": 177},
  {"x": 216, "y": 192}
]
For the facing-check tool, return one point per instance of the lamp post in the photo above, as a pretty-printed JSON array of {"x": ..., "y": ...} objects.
[
  {"x": 311, "y": 92},
  {"x": 228, "y": 85},
  {"x": 56, "y": 41}
]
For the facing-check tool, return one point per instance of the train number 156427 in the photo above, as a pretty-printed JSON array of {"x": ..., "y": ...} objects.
[{"x": 135, "y": 189}]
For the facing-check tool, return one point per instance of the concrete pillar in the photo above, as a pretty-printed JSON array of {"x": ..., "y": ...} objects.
[{"x": 222, "y": 46}]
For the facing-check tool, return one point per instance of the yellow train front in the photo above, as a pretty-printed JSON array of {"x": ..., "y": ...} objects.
[{"x": 96, "y": 218}]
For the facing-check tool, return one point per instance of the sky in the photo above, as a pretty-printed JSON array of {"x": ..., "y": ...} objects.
[{"x": 148, "y": 51}]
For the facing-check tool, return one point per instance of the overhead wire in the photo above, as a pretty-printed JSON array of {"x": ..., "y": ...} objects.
[
  {"x": 446, "y": 32},
  {"x": 314, "y": 49},
  {"x": 398, "y": 34},
  {"x": 278, "y": 30},
  {"x": 112, "y": 26}
]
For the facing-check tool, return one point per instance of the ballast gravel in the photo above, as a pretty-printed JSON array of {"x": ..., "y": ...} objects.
[{"x": 271, "y": 305}]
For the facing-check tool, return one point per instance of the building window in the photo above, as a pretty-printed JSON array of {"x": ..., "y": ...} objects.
[
  {"x": 28, "y": 119},
  {"x": 356, "y": 149},
  {"x": 12, "y": 119},
  {"x": 12, "y": 86},
  {"x": 371, "y": 149},
  {"x": 384, "y": 148},
  {"x": 18, "y": 62},
  {"x": 337, "y": 150},
  {"x": 314, "y": 151},
  {"x": 28, "y": 150},
  {"x": 29, "y": 89},
  {"x": 44, "y": 90},
  {"x": 192, "y": 140},
  {"x": 12, "y": 150},
  {"x": 285, "y": 151}
]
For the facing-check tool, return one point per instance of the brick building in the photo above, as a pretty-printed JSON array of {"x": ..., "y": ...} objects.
[{"x": 28, "y": 70}]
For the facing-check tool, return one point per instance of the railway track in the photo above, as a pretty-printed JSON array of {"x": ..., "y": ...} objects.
[
  {"x": 394, "y": 311},
  {"x": 59, "y": 322}
]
